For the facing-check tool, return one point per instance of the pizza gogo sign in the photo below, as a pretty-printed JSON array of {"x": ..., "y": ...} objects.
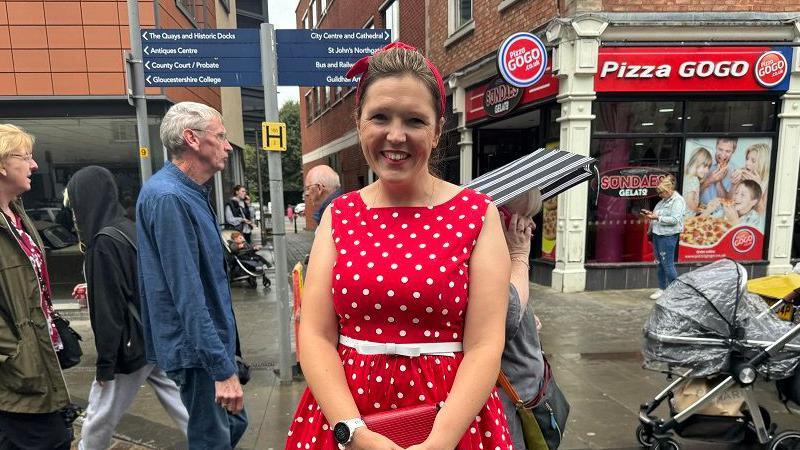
[
  {"x": 522, "y": 59},
  {"x": 667, "y": 69},
  {"x": 631, "y": 182}
]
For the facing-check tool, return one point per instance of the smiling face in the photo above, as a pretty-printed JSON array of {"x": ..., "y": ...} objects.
[
  {"x": 398, "y": 128},
  {"x": 751, "y": 162},
  {"x": 744, "y": 200},
  {"x": 17, "y": 168}
]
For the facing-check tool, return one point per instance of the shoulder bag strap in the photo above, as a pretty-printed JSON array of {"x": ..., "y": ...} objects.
[
  {"x": 504, "y": 382},
  {"x": 117, "y": 234}
]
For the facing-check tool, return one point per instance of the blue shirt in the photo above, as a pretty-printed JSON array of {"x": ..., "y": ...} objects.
[
  {"x": 187, "y": 312},
  {"x": 670, "y": 212}
]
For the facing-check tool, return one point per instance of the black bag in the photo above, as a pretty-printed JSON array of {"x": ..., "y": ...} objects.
[
  {"x": 552, "y": 412},
  {"x": 70, "y": 355},
  {"x": 243, "y": 370}
]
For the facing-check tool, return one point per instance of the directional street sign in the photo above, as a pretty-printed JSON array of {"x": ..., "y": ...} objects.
[
  {"x": 214, "y": 58},
  {"x": 273, "y": 136},
  {"x": 322, "y": 57}
]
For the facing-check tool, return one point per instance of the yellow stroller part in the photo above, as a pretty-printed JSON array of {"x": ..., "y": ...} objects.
[{"x": 778, "y": 287}]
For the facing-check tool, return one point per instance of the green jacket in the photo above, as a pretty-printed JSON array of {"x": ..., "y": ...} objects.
[{"x": 30, "y": 377}]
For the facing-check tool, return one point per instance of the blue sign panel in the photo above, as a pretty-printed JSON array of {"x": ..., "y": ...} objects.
[
  {"x": 210, "y": 79},
  {"x": 323, "y": 57},
  {"x": 214, "y": 58}
]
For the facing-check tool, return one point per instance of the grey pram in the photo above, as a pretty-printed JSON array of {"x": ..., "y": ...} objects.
[{"x": 706, "y": 325}]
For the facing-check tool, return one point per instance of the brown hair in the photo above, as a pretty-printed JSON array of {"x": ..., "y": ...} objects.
[
  {"x": 236, "y": 235},
  {"x": 397, "y": 62}
]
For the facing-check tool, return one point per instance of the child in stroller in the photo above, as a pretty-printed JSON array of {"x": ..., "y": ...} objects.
[
  {"x": 718, "y": 340},
  {"x": 244, "y": 261}
]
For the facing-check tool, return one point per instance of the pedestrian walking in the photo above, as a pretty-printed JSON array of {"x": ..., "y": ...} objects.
[
  {"x": 112, "y": 291},
  {"x": 405, "y": 298},
  {"x": 32, "y": 388},
  {"x": 666, "y": 224},
  {"x": 238, "y": 213},
  {"x": 187, "y": 313}
]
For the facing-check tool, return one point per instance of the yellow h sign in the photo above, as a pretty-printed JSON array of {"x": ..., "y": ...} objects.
[{"x": 273, "y": 136}]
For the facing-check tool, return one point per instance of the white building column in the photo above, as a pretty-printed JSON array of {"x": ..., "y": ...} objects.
[
  {"x": 784, "y": 190},
  {"x": 575, "y": 63}
]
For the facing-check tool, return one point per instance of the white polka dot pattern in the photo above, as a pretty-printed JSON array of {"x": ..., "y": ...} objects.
[{"x": 401, "y": 277}]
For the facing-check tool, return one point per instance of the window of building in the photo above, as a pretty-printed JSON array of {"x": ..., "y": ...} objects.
[
  {"x": 192, "y": 9},
  {"x": 309, "y": 107},
  {"x": 317, "y": 100},
  {"x": 314, "y": 14},
  {"x": 306, "y": 24},
  {"x": 323, "y": 7},
  {"x": 391, "y": 19},
  {"x": 460, "y": 14},
  {"x": 226, "y": 4},
  {"x": 636, "y": 140}
]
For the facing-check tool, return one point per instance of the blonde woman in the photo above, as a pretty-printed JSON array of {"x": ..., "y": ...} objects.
[
  {"x": 697, "y": 169},
  {"x": 666, "y": 224},
  {"x": 756, "y": 168},
  {"x": 32, "y": 387}
]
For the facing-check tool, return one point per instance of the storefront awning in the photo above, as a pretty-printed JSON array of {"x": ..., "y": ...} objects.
[{"x": 552, "y": 171}]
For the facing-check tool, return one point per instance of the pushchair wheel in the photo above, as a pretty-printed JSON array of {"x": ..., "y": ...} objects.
[
  {"x": 251, "y": 281},
  {"x": 644, "y": 435},
  {"x": 665, "y": 444},
  {"x": 788, "y": 440},
  {"x": 265, "y": 281}
]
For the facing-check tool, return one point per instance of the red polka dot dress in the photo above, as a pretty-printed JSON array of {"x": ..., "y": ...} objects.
[{"x": 401, "y": 276}]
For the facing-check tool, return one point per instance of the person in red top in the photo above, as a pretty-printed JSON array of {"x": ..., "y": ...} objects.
[
  {"x": 32, "y": 387},
  {"x": 406, "y": 293}
]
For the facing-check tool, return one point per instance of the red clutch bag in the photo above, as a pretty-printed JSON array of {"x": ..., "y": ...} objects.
[{"x": 404, "y": 426}]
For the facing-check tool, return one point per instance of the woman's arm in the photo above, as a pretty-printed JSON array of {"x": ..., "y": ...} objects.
[
  {"x": 489, "y": 274},
  {"x": 319, "y": 336},
  {"x": 693, "y": 200}
]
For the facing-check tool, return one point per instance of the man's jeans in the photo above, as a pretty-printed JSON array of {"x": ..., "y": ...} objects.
[
  {"x": 664, "y": 247},
  {"x": 211, "y": 427}
]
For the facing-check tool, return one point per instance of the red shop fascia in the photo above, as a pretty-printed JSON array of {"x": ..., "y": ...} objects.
[{"x": 708, "y": 92}]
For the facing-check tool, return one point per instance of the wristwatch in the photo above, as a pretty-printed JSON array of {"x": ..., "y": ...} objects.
[{"x": 343, "y": 431}]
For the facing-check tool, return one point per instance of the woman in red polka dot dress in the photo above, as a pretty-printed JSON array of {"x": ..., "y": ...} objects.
[{"x": 405, "y": 298}]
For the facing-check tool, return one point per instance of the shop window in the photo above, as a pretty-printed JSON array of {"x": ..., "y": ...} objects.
[
  {"x": 638, "y": 117},
  {"x": 614, "y": 220},
  {"x": 391, "y": 19},
  {"x": 309, "y": 107},
  {"x": 730, "y": 116}
]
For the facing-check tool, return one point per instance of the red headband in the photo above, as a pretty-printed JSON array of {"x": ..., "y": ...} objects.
[{"x": 362, "y": 65}]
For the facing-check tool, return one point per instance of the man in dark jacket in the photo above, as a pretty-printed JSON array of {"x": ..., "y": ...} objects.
[{"x": 113, "y": 293}]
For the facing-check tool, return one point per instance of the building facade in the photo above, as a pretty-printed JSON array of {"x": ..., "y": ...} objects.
[
  {"x": 328, "y": 131},
  {"x": 62, "y": 78},
  {"x": 655, "y": 89}
]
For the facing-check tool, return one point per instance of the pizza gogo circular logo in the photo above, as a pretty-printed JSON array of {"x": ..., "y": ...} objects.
[
  {"x": 771, "y": 69},
  {"x": 522, "y": 59},
  {"x": 743, "y": 240}
]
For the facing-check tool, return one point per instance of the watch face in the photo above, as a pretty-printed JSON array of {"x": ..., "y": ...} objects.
[{"x": 341, "y": 432}]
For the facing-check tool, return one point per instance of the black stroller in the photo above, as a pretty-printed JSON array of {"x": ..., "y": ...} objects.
[
  {"x": 246, "y": 266},
  {"x": 707, "y": 327}
]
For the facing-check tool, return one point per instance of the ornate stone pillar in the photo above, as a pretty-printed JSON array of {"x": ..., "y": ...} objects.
[
  {"x": 784, "y": 190},
  {"x": 574, "y": 62}
]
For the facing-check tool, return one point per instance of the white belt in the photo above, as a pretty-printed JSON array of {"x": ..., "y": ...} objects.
[{"x": 379, "y": 348}]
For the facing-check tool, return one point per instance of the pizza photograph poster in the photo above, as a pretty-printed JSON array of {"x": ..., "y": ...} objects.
[{"x": 725, "y": 185}]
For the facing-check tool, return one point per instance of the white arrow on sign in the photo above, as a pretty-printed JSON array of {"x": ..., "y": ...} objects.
[
  {"x": 147, "y": 50},
  {"x": 144, "y": 36},
  {"x": 148, "y": 79},
  {"x": 387, "y": 35},
  {"x": 147, "y": 65}
]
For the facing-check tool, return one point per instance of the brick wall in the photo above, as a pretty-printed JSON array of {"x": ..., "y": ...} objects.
[
  {"x": 491, "y": 27},
  {"x": 337, "y": 120},
  {"x": 59, "y": 47},
  {"x": 701, "y": 5}
]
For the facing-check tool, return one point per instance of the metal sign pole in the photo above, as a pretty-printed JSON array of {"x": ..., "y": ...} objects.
[
  {"x": 261, "y": 200},
  {"x": 145, "y": 164},
  {"x": 269, "y": 75}
]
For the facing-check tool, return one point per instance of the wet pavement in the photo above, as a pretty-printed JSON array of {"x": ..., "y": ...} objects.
[{"x": 592, "y": 340}]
